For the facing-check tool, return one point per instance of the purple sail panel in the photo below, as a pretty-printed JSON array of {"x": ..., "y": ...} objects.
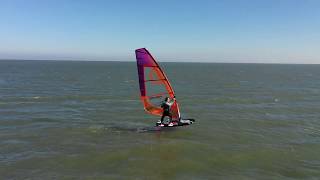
[
  {"x": 141, "y": 61},
  {"x": 144, "y": 58}
]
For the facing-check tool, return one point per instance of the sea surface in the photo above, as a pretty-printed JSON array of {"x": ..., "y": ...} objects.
[{"x": 84, "y": 120}]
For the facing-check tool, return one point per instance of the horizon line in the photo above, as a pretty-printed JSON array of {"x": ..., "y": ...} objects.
[{"x": 165, "y": 61}]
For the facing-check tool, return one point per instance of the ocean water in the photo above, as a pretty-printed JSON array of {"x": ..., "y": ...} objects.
[{"x": 84, "y": 120}]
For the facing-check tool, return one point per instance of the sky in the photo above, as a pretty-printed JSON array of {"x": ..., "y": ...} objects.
[{"x": 234, "y": 31}]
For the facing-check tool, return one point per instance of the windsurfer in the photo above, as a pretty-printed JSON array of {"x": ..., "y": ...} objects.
[{"x": 166, "y": 105}]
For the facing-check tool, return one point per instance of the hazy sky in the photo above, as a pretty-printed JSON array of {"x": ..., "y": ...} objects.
[{"x": 275, "y": 31}]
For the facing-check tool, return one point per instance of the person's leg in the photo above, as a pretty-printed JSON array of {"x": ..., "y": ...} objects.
[
  {"x": 162, "y": 117},
  {"x": 170, "y": 118}
]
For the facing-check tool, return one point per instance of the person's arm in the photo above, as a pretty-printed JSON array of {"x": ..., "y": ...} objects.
[{"x": 172, "y": 101}]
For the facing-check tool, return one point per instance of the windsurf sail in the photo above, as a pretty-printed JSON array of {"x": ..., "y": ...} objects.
[{"x": 154, "y": 85}]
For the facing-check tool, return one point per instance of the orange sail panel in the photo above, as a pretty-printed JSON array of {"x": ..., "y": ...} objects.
[{"x": 154, "y": 85}]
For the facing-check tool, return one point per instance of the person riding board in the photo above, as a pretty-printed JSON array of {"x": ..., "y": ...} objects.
[{"x": 166, "y": 106}]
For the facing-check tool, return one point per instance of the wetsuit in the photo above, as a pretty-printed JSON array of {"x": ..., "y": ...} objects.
[{"x": 166, "y": 110}]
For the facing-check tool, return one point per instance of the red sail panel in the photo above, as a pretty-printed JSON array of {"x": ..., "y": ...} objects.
[{"x": 154, "y": 85}]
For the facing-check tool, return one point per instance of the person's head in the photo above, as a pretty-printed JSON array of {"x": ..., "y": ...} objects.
[{"x": 166, "y": 99}]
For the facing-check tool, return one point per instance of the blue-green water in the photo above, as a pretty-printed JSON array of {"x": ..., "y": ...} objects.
[{"x": 84, "y": 120}]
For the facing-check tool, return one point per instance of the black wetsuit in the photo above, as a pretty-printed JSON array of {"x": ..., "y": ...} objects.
[{"x": 166, "y": 111}]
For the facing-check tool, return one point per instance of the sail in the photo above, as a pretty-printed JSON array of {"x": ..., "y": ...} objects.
[{"x": 154, "y": 85}]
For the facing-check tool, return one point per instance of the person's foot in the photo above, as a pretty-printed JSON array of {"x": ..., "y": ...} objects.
[
  {"x": 170, "y": 124},
  {"x": 159, "y": 122},
  {"x": 161, "y": 125}
]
